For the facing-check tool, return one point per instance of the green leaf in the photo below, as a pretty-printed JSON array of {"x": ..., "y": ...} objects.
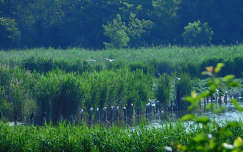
[
  {"x": 219, "y": 67},
  {"x": 207, "y": 73},
  {"x": 188, "y": 117},
  {"x": 213, "y": 88},
  {"x": 228, "y": 78},
  {"x": 203, "y": 94},
  {"x": 233, "y": 84},
  {"x": 225, "y": 132},
  {"x": 235, "y": 102},
  {"x": 200, "y": 138},
  {"x": 189, "y": 99},
  {"x": 202, "y": 119},
  {"x": 238, "y": 142},
  {"x": 212, "y": 144}
]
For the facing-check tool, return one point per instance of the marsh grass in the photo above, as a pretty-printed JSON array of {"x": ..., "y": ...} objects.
[
  {"x": 109, "y": 83},
  {"x": 66, "y": 137},
  {"x": 157, "y": 60},
  {"x": 163, "y": 54}
]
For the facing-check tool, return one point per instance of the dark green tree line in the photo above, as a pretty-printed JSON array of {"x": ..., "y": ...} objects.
[{"x": 91, "y": 23}]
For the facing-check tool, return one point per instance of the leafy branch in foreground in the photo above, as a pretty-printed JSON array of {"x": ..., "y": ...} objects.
[{"x": 205, "y": 141}]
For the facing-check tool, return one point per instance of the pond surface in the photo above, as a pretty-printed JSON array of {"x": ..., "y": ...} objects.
[{"x": 230, "y": 114}]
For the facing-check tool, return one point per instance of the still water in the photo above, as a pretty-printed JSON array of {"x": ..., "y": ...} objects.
[{"x": 230, "y": 113}]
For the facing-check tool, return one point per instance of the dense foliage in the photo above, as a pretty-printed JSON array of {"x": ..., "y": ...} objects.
[
  {"x": 58, "y": 83},
  {"x": 81, "y": 138},
  {"x": 223, "y": 137},
  {"x": 115, "y": 24},
  {"x": 66, "y": 137},
  {"x": 61, "y": 95},
  {"x": 155, "y": 61},
  {"x": 197, "y": 33},
  {"x": 202, "y": 135}
]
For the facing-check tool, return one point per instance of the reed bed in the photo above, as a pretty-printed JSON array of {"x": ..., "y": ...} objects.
[
  {"x": 66, "y": 137},
  {"x": 163, "y": 54}
]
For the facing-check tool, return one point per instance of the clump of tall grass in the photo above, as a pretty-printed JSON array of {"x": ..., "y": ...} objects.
[{"x": 57, "y": 94}]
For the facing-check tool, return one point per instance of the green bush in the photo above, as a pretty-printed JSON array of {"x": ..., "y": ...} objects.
[
  {"x": 136, "y": 29},
  {"x": 197, "y": 33},
  {"x": 123, "y": 34},
  {"x": 116, "y": 32}
]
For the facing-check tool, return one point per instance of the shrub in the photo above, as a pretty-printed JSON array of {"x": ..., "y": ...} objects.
[
  {"x": 123, "y": 34},
  {"x": 197, "y": 33},
  {"x": 116, "y": 32},
  {"x": 136, "y": 29}
]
